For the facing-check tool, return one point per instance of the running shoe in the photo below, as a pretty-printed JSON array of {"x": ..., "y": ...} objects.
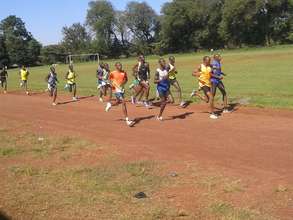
[
  {"x": 160, "y": 118},
  {"x": 108, "y": 107},
  {"x": 100, "y": 99},
  {"x": 74, "y": 98},
  {"x": 147, "y": 105},
  {"x": 213, "y": 116},
  {"x": 226, "y": 110},
  {"x": 130, "y": 123},
  {"x": 5, "y": 92},
  {"x": 54, "y": 103},
  {"x": 193, "y": 93},
  {"x": 27, "y": 92},
  {"x": 182, "y": 104}
]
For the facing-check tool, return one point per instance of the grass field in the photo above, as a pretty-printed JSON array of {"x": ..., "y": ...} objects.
[{"x": 259, "y": 77}]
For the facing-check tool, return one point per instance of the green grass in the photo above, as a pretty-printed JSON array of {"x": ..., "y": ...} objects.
[{"x": 261, "y": 76}]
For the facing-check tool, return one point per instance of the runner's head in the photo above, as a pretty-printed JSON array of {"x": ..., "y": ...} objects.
[
  {"x": 118, "y": 66},
  {"x": 141, "y": 58},
  {"x": 102, "y": 65},
  {"x": 106, "y": 66},
  {"x": 172, "y": 59},
  {"x": 71, "y": 67},
  {"x": 23, "y": 67},
  {"x": 217, "y": 57},
  {"x": 52, "y": 69},
  {"x": 206, "y": 60},
  {"x": 162, "y": 63}
]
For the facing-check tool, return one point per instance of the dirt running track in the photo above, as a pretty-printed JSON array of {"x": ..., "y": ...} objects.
[{"x": 250, "y": 142}]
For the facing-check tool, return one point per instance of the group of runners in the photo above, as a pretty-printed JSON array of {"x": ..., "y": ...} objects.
[{"x": 110, "y": 83}]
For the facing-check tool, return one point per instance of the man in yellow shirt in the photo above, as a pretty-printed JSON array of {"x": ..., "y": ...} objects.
[
  {"x": 204, "y": 72},
  {"x": 71, "y": 81},
  {"x": 24, "y": 73}
]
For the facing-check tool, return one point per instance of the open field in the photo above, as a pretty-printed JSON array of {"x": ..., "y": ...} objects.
[
  {"x": 74, "y": 161},
  {"x": 258, "y": 77}
]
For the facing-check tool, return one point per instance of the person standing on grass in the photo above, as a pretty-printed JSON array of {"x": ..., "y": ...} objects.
[
  {"x": 173, "y": 80},
  {"x": 141, "y": 72},
  {"x": 71, "y": 82},
  {"x": 52, "y": 81},
  {"x": 24, "y": 73},
  {"x": 118, "y": 79},
  {"x": 216, "y": 80},
  {"x": 204, "y": 72},
  {"x": 163, "y": 85},
  {"x": 3, "y": 78}
]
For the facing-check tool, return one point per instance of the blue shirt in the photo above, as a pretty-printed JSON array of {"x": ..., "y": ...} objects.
[{"x": 217, "y": 70}]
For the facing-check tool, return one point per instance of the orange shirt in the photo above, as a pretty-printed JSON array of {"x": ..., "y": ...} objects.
[{"x": 118, "y": 80}]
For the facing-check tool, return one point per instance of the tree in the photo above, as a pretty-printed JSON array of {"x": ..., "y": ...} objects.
[
  {"x": 53, "y": 54},
  {"x": 101, "y": 20},
  {"x": 3, "y": 55},
  {"x": 75, "y": 38},
  {"x": 142, "y": 21},
  {"x": 21, "y": 47}
]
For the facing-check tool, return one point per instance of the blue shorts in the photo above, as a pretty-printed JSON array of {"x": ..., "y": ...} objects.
[
  {"x": 119, "y": 95},
  {"x": 163, "y": 92}
]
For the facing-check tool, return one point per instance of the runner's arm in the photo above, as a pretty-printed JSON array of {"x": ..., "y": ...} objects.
[
  {"x": 197, "y": 72},
  {"x": 157, "y": 78}
]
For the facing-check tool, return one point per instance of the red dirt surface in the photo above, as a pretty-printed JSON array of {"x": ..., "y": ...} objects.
[{"x": 250, "y": 143}]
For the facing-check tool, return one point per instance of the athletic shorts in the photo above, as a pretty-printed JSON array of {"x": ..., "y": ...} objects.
[
  {"x": 23, "y": 82},
  {"x": 163, "y": 92},
  {"x": 205, "y": 89},
  {"x": 119, "y": 95},
  {"x": 71, "y": 87},
  {"x": 2, "y": 81},
  {"x": 102, "y": 83}
]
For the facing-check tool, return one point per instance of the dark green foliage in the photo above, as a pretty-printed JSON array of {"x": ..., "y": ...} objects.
[{"x": 17, "y": 44}]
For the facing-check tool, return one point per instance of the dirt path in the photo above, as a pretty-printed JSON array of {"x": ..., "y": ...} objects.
[{"x": 251, "y": 142}]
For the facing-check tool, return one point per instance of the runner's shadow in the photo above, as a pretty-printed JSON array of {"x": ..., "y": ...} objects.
[
  {"x": 181, "y": 116},
  {"x": 79, "y": 99},
  {"x": 140, "y": 119}
]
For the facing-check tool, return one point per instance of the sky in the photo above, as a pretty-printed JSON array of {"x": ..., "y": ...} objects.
[{"x": 45, "y": 18}]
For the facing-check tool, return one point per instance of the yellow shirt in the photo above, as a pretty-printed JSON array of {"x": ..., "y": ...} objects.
[
  {"x": 172, "y": 73},
  {"x": 23, "y": 74},
  {"x": 205, "y": 76},
  {"x": 71, "y": 77}
]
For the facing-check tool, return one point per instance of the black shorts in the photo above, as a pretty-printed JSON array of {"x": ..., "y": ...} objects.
[
  {"x": 3, "y": 80},
  {"x": 205, "y": 89},
  {"x": 71, "y": 87}
]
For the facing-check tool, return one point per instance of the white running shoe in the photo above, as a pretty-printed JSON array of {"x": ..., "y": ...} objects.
[
  {"x": 160, "y": 118},
  {"x": 101, "y": 100},
  {"x": 182, "y": 104},
  {"x": 130, "y": 123},
  {"x": 54, "y": 103},
  {"x": 147, "y": 105},
  {"x": 226, "y": 111},
  {"x": 5, "y": 91},
  {"x": 27, "y": 92},
  {"x": 213, "y": 116},
  {"x": 193, "y": 93},
  {"x": 74, "y": 98},
  {"x": 108, "y": 107}
]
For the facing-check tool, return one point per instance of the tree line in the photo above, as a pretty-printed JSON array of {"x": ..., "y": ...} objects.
[{"x": 182, "y": 26}]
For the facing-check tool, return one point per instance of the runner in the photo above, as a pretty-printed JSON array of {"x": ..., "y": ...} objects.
[
  {"x": 3, "y": 78},
  {"x": 173, "y": 81},
  {"x": 203, "y": 73},
  {"x": 141, "y": 72},
  {"x": 52, "y": 81},
  {"x": 24, "y": 73},
  {"x": 163, "y": 85},
  {"x": 71, "y": 82},
  {"x": 118, "y": 79},
  {"x": 216, "y": 80},
  {"x": 104, "y": 85}
]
